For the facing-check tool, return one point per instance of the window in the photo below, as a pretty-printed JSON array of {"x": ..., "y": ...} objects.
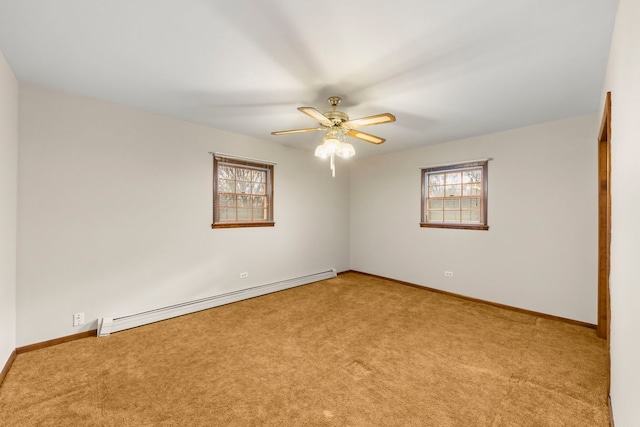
[
  {"x": 455, "y": 196},
  {"x": 242, "y": 193}
]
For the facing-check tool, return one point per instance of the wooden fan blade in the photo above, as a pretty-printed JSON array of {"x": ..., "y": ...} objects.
[
  {"x": 317, "y": 115},
  {"x": 366, "y": 137},
  {"x": 285, "y": 132},
  {"x": 371, "y": 120}
]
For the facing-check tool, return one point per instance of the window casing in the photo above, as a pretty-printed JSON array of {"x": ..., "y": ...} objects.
[
  {"x": 242, "y": 193},
  {"x": 455, "y": 196}
]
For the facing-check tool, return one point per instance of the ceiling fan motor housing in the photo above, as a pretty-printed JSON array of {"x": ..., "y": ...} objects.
[{"x": 336, "y": 117}]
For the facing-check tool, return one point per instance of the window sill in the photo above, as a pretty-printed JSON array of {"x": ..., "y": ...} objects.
[
  {"x": 456, "y": 226},
  {"x": 242, "y": 224}
]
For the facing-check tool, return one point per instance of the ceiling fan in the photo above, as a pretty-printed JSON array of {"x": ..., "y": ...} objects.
[
  {"x": 337, "y": 122},
  {"x": 337, "y": 125}
]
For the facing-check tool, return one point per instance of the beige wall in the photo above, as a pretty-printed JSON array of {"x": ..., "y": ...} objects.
[
  {"x": 8, "y": 203},
  {"x": 115, "y": 214},
  {"x": 541, "y": 250},
  {"x": 623, "y": 80}
]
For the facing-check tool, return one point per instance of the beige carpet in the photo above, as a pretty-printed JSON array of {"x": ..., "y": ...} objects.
[{"x": 350, "y": 351}]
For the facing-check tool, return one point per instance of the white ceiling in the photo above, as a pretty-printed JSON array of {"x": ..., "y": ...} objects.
[{"x": 446, "y": 69}]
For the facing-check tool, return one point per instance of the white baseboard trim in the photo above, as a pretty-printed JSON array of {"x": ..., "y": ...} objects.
[{"x": 107, "y": 325}]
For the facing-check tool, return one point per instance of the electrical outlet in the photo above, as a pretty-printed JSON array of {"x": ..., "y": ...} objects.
[
  {"x": 78, "y": 319},
  {"x": 244, "y": 275},
  {"x": 448, "y": 274}
]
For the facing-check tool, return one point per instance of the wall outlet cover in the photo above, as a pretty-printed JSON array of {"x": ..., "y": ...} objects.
[{"x": 78, "y": 319}]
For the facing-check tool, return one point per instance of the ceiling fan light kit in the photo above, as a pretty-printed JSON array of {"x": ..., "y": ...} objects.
[{"x": 338, "y": 125}]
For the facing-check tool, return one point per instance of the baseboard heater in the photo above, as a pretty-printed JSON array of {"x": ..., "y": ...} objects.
[{"x": 107, "y": 325}]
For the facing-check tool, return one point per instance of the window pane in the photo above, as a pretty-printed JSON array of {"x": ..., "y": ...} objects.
[
  {"x": 435, "y": 203},
  {"x": 259, "y": 189},
  {"x": 474, "y": 175},
  {"x": 243, "y": 187},
  {"x": 453, "y": 178},
  {"x": 471, "y": 189},
  {"x": 436, "y": 191},
  {"x": 259, "y": 202},
  {"x": 226, "y": 172},
  {"x": 244, "y": 201},
  {"x": 475, "y": 216},
  {"x": 244, "y": 174},
  {"x": 451, "y": 216},
  {"x": 225, "y": 186},
  {"x": 452, "y": 190},
  {"x": 436, "y": 179},
  {"x": 435, "y": 216},
  {"x": 452, "y": 204},
  {"x": 244, "y": 214},
  {"x": 227, "y": 214},
  {"x": 465, "y": 216},
  {"x": 227, "y": 200},
  {"x": 259, "y": 214},
  {"x": 259, "y": 176},
  {"x": 471, "y": 203}
]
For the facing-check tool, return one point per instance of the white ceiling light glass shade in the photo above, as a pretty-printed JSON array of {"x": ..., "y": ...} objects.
[
  {"x": 332, "y": 141},
  {"x": 321, "y": 152},
  {"x": 346, "y": 150}
]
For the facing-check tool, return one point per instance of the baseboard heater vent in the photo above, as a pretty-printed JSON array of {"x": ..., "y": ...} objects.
[{"x": 107, "y": 325}]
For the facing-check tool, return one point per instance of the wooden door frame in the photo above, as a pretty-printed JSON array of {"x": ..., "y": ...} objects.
[{"x": 604, "y": 221}]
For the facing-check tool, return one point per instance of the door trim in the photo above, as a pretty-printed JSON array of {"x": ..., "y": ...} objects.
[{"x": 604, "y": 221}]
